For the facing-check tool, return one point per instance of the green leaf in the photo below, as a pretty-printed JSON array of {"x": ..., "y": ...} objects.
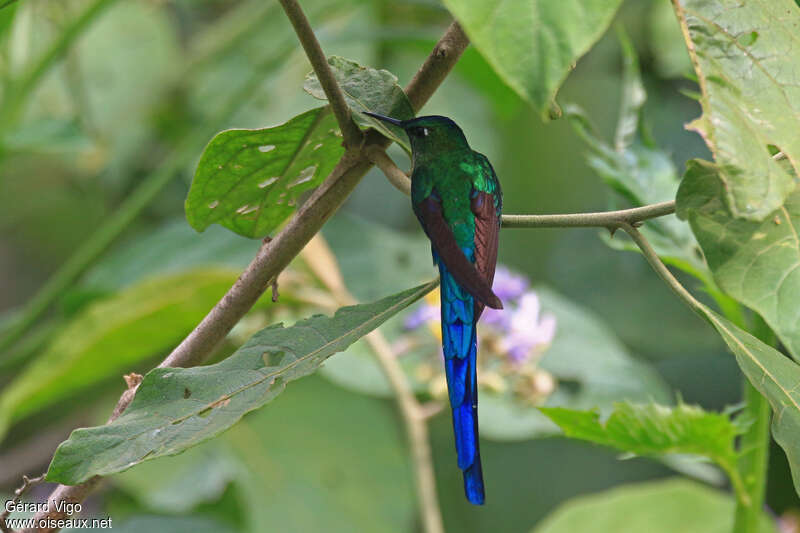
[
  {"x": 591, "y": 366},
  {"x": 367, "y": 89},
  {"x": 656, "y": 507},
  {"x": 749, "y": 73},
  {"x": 653, "y": 429},
  {"x": 533, "y": 44},
  {"x": 754, "y": 262},
  {"x": 176, "y": 408},
  {"x": 111, "y": 335},
  {"x": 249, "y": 181}
]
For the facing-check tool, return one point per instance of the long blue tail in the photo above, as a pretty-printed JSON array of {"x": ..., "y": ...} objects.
[{"x": 459, "y": 343}]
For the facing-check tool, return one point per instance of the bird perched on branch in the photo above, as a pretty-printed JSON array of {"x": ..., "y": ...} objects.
[{"x": 457, "y": 199}]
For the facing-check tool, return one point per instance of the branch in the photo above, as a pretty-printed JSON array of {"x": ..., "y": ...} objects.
[
  {"x": 274, "y": 256},
  {"x": 350, "y": 132},
  {"x": 607, "y": 219}
]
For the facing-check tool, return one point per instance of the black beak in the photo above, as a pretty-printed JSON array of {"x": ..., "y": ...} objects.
[{"x": 390, "y": 120}]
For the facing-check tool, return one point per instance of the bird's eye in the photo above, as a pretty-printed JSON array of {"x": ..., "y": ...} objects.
[{"x": 423, "y": 132}]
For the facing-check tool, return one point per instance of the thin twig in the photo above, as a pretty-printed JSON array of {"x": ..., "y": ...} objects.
[
  {"x": 323, "y": 263},
  {"x": 350, "y": 132},
  {"x": 606, "y": 219},
  {"x": 273, "y": 257},
  {"x": 27, "y": 483},
  {"x": 396, "y": 177}
]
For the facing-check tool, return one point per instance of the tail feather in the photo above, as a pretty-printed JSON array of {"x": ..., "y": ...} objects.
[{"x": 459, "y": 343}]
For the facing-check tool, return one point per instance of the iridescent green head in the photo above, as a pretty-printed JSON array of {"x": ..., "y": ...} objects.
[{"x": 429, "y": 135}]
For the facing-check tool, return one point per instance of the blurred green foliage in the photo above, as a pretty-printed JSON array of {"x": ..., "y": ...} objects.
[{"x": 102, "y": 100}]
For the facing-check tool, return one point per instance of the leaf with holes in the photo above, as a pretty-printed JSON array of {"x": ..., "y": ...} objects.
[
  {"x": 745, "y": 56},
  {"x": 249, "y": 181},
  {"x": 368, "y": 89},
  {"x": 176, "y": 408},
  {"x": 533, "y": 44},
  {"x": 757, "y": 263},
  {"x": 652, "y": 429}
]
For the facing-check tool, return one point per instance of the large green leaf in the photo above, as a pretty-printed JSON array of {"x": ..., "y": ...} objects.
[
  {"x": 112, "y": 335},
  {"x": 249, "y": 181},
  {"x": 652, "y": 430},
  {"x": 176, "y": 408},
  {"x": 754, "y": 262},
  {"x": 748, "y": 68},
  {"x": 368, "y": 89},
  {"x": 656, "y": 507},
  {"x": 532, "y": 44}
]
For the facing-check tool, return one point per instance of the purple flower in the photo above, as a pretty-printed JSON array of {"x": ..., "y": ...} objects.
[
  {"x": 499, "y": 318},
  {"x": 528, "y": 331},
  {"x": 507, "y": 285},
  {"x": 421, "y": 315}
]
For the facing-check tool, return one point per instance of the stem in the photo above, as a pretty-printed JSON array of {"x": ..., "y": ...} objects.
[
  {"x": 350, "y": 132},
  {"x": 273, "y": 257},
  {"x": 417, "y": 431},
  {"x": 754, "y": 449},
  {"x": 754, "y": 446},
  {"x": 607, "y": 219}
]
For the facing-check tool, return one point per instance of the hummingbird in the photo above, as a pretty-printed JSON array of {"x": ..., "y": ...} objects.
[{"x": 456, "y": 197}]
